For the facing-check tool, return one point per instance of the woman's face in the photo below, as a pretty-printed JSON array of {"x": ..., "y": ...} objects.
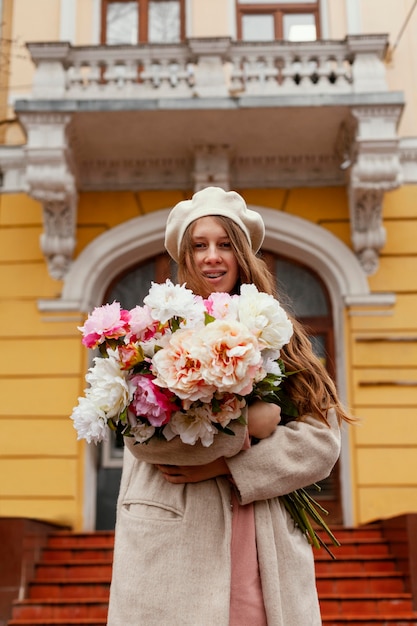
[{"x": 213, "y": 255}]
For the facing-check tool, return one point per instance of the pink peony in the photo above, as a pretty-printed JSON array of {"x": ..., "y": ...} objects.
[
  {"x": 105, "y": 322},
  {"x": 230, "y": 408},
  {"x": 130, "y": 355},
  {"x": 229, "y": 356},
  {"x": 151, "y": 402},
  {"x": 142, "y": 325},
  {"x": 177, "y": 369},
  {"x": 221, "y": 305}
]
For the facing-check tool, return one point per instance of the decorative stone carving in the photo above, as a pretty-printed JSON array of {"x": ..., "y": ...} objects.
[
  {"x": 58, "y": 242},
  {"x": 368, "y": 232},
  {"x": 51, "y": 181},
  {"x": 368, "y": 147}
]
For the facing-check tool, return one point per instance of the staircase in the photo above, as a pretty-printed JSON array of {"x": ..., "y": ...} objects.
[
  {"x": 361, "y": 588},
  {"x": 71, "y": 584}
]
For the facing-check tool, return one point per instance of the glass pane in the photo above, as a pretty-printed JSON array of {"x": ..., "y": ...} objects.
[
  {"x": 304, "y": 291},
  {"x": 164, "y": 21},
  {"x": 122, "y": 22},
  {"x": 134, "y": 286},
  {"x": 258, "y": 27},
  {"x": 299, "y": 27}
]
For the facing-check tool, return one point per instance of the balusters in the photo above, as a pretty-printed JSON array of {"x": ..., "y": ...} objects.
[{"x": 192, "y": 69}]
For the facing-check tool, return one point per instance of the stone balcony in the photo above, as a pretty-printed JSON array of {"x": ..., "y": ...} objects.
[
  {"x": 209, "y": 111},
  {"x": 209, "y": 68}
]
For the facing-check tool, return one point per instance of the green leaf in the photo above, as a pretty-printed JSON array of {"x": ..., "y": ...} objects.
[
  {"x": 208, "y": 318},
  {"x": 223, "y": 429}
]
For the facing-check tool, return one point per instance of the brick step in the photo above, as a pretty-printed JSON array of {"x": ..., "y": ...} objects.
[
  {"x": 353, "y": 604},
  {"x": 356, "y": 564},
  {"x": 80, "y": 570},
  {"x": 57, "y": 622},
  {"x": 88, "y": 608},
  {"x": 68, "y": 539},
  {"x": 354, "y": 546},
  {"x": 67, "y": 589},
  {"x": 77, "y": 553},
  {"x": 344, "y": 534},
  {"x": 369, "y": 582},
  {"x": 369, "y": 620}
]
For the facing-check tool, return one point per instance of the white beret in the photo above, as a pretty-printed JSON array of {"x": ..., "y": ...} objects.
[{"x": 212, "y": 201}]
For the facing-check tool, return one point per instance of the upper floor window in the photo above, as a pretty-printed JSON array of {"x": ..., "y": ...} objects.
[
  {"x": 142, "y": 21},
  {"x": 266, "y": 20}
]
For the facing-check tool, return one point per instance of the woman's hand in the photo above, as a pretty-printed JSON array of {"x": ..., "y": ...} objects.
[
  {"x": 181, "y": 474},
  {"x": 263, "y": 418}
]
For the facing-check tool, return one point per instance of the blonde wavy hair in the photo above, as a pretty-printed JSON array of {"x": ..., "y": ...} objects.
[{"x": 311, "y": 388}]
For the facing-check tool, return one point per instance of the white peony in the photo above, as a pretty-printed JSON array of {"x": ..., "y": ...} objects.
[
  {"x": 192, "y": 426},
  {"x": 110, "y": 390},
  {"x": 89, "y": 421},
  {"x": 264, "y": 317},
  {"x": 168, "y": 300}
]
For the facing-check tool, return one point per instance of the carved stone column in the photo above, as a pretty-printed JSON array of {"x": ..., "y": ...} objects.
[
  {"x": 50, "y": 180},
  {"x": 369, "y": 150}
]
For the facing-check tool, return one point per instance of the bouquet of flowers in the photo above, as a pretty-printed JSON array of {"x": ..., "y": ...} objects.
[
  {"x": 180, "y": 365},
  {"x": 183, "y": 366}
]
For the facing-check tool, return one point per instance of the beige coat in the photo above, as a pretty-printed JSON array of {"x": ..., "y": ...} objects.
[{"x": 172, "y": 550}]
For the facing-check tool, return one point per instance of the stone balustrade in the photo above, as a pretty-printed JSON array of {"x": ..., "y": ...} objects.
[{"x": 209, "y": 68}]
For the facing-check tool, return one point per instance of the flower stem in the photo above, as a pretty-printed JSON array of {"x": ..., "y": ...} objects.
[{"x": 302, "y": 507}]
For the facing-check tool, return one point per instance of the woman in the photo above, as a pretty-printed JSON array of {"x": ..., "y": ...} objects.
[{"x": 202, "y": 537}]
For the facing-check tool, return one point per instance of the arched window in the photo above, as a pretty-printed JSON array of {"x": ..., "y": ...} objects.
[
  {"x": 308, "y": 301},
  {"x": 303, "y": 292}
]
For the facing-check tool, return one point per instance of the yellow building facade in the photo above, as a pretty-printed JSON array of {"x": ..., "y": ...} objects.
[{"x": 90, "y": 172}]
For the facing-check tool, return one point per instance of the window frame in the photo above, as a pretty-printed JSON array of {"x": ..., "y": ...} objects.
[
  {"x": 278, "y": 10},
  {"x": 143, "y": 13}
]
